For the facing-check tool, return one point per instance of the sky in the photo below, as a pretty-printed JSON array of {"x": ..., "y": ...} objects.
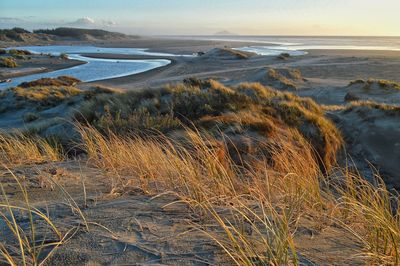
[{"x": 202, "y": 17}]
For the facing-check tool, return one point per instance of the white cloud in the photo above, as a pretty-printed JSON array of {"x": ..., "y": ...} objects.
[
  {"x": 108, "y": 23},
  {"x": 83, "y": 22},
  {"x": 10, "y": 20}
]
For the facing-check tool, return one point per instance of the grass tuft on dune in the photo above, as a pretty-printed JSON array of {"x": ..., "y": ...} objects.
[{"x": 211, "y": 106}]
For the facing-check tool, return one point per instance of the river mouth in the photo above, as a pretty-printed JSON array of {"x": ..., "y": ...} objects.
[{"x": 94, "y": 69}]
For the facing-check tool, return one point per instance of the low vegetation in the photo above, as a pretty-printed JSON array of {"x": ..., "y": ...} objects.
[
  {"x": 284, "y": 78},
  {"x": 376, "y": 83},
  {"x": 8, "y": 62},
  {"x": 77, "y": 33},
  {"x": 12, "y": 34},
  {"x": 227, "y": 53},
  {"x": 16, "y": 52},
  {"x": 265, "y": 203},
  {"x": 30, "y": 117},
  {"x": 249, "y": 161},
  {"x": 50, "y": 92},
  {"x": 284, "y": 56},
  {"x": 18, "y": 149},
  {"x": 237, "y": 112},
  {"x": 367, "y": 106},
  {"x": 57, "y": 82}
]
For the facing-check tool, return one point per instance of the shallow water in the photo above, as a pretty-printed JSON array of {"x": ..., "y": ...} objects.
[
  {"x": 95, "y": 68},
  {"x": 298, "y": 45}
]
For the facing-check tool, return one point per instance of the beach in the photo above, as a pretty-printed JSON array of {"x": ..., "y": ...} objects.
[{"x": 156, "y": 167}]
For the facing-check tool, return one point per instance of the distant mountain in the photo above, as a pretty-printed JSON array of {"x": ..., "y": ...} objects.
[
  {"x": 60, "y": 34},
  {"x": 224, "y": 32}
]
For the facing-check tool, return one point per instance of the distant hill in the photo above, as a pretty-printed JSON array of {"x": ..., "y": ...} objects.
[
  {"x": 59, "y": 34},
  {"x": 224, "y": 32}
]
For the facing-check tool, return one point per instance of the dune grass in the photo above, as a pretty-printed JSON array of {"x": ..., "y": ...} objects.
[
  {"x": 262, "y": 204},
  {"x": 17, "y": 149},
  {"x": 8, "y": 62},
  {"x": 29, "y": 248},
  {"x": 250, "y": 212},
  {"x": 209, "y": 105},
  {"x": 367, "y": 106},
  {"x": 380, "y": 83},
  {"x": 250, "y": 161}
]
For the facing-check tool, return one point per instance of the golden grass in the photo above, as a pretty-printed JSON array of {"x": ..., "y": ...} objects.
[
  {"x": 17, "y": 149},
  {"x": 376, "y": 212},
  {"x": 254, "y": 205},
  {"x": 8, "y": 62},
  {"x": 262, "y": 203},
  {"x": 380, "y": 83},
  {"x": 276, "y": 76},
  {"x": 48, "y": 94}
]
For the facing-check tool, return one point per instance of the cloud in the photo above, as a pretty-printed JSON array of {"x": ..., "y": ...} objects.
[
  {"x": 108, "y": 23},
  {"x": 10, "y": 20},
  {"x": 83, "y": 22},
  {"x": 90, "y": 22}
]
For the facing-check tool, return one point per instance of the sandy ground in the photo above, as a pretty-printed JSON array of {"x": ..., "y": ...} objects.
[
  {"x": 147, "y": 229},
  {"x": 144, "y": 231},
  {"x": 327, "y": 74}
]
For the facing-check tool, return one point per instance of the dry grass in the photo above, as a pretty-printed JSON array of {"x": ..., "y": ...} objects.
[
  {"x": 252, "y": 213},
  {"x": 256, "y": 210},
  {"x": 53, "y": 82},
  {"x": 379, "y": 83},
  {"x": 30, "y": 235},
  {"x": 45, "y": 94},
  {"x": 371, "y": 212},
  {"x": 29, "y": 248},
  {"x": 367, "y": 106},
  {"x": 205, "y": 177},
  {"x": 274, "y": 75},
  {"x": 17, "y": 149},
  {"x": 235, "y": 53},
  {"x": 8, "y": 62},
  {"x": 208, "y": 105},
  {"x": 252, "y": 191}
]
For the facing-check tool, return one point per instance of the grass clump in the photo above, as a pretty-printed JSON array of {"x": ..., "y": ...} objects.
[
  {"x": 376, "y": 209},
  {"x": 59, "y": 81},
  {"x": 284, "y": 56},
  {"x": 245, "y": 110},
  {"x": 30, "y": 117},
  {"x": 376, "y": 83},
  {"x": 16, "y": 52},
  {"x": 64, "y": 56},
  {"x": 228, "y": 53},
  {"x": 367, "y": 106},
  {"x": 284, "y": 78},
  {"x": 253, "y": 215},
  {"x": 17, "y": 149},
  {"x": 45, "y": 95},
  {"x": 8, "y": 62}
]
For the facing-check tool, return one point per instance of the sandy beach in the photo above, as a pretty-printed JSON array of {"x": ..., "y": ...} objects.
[{"x": 352, "y": 112}]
